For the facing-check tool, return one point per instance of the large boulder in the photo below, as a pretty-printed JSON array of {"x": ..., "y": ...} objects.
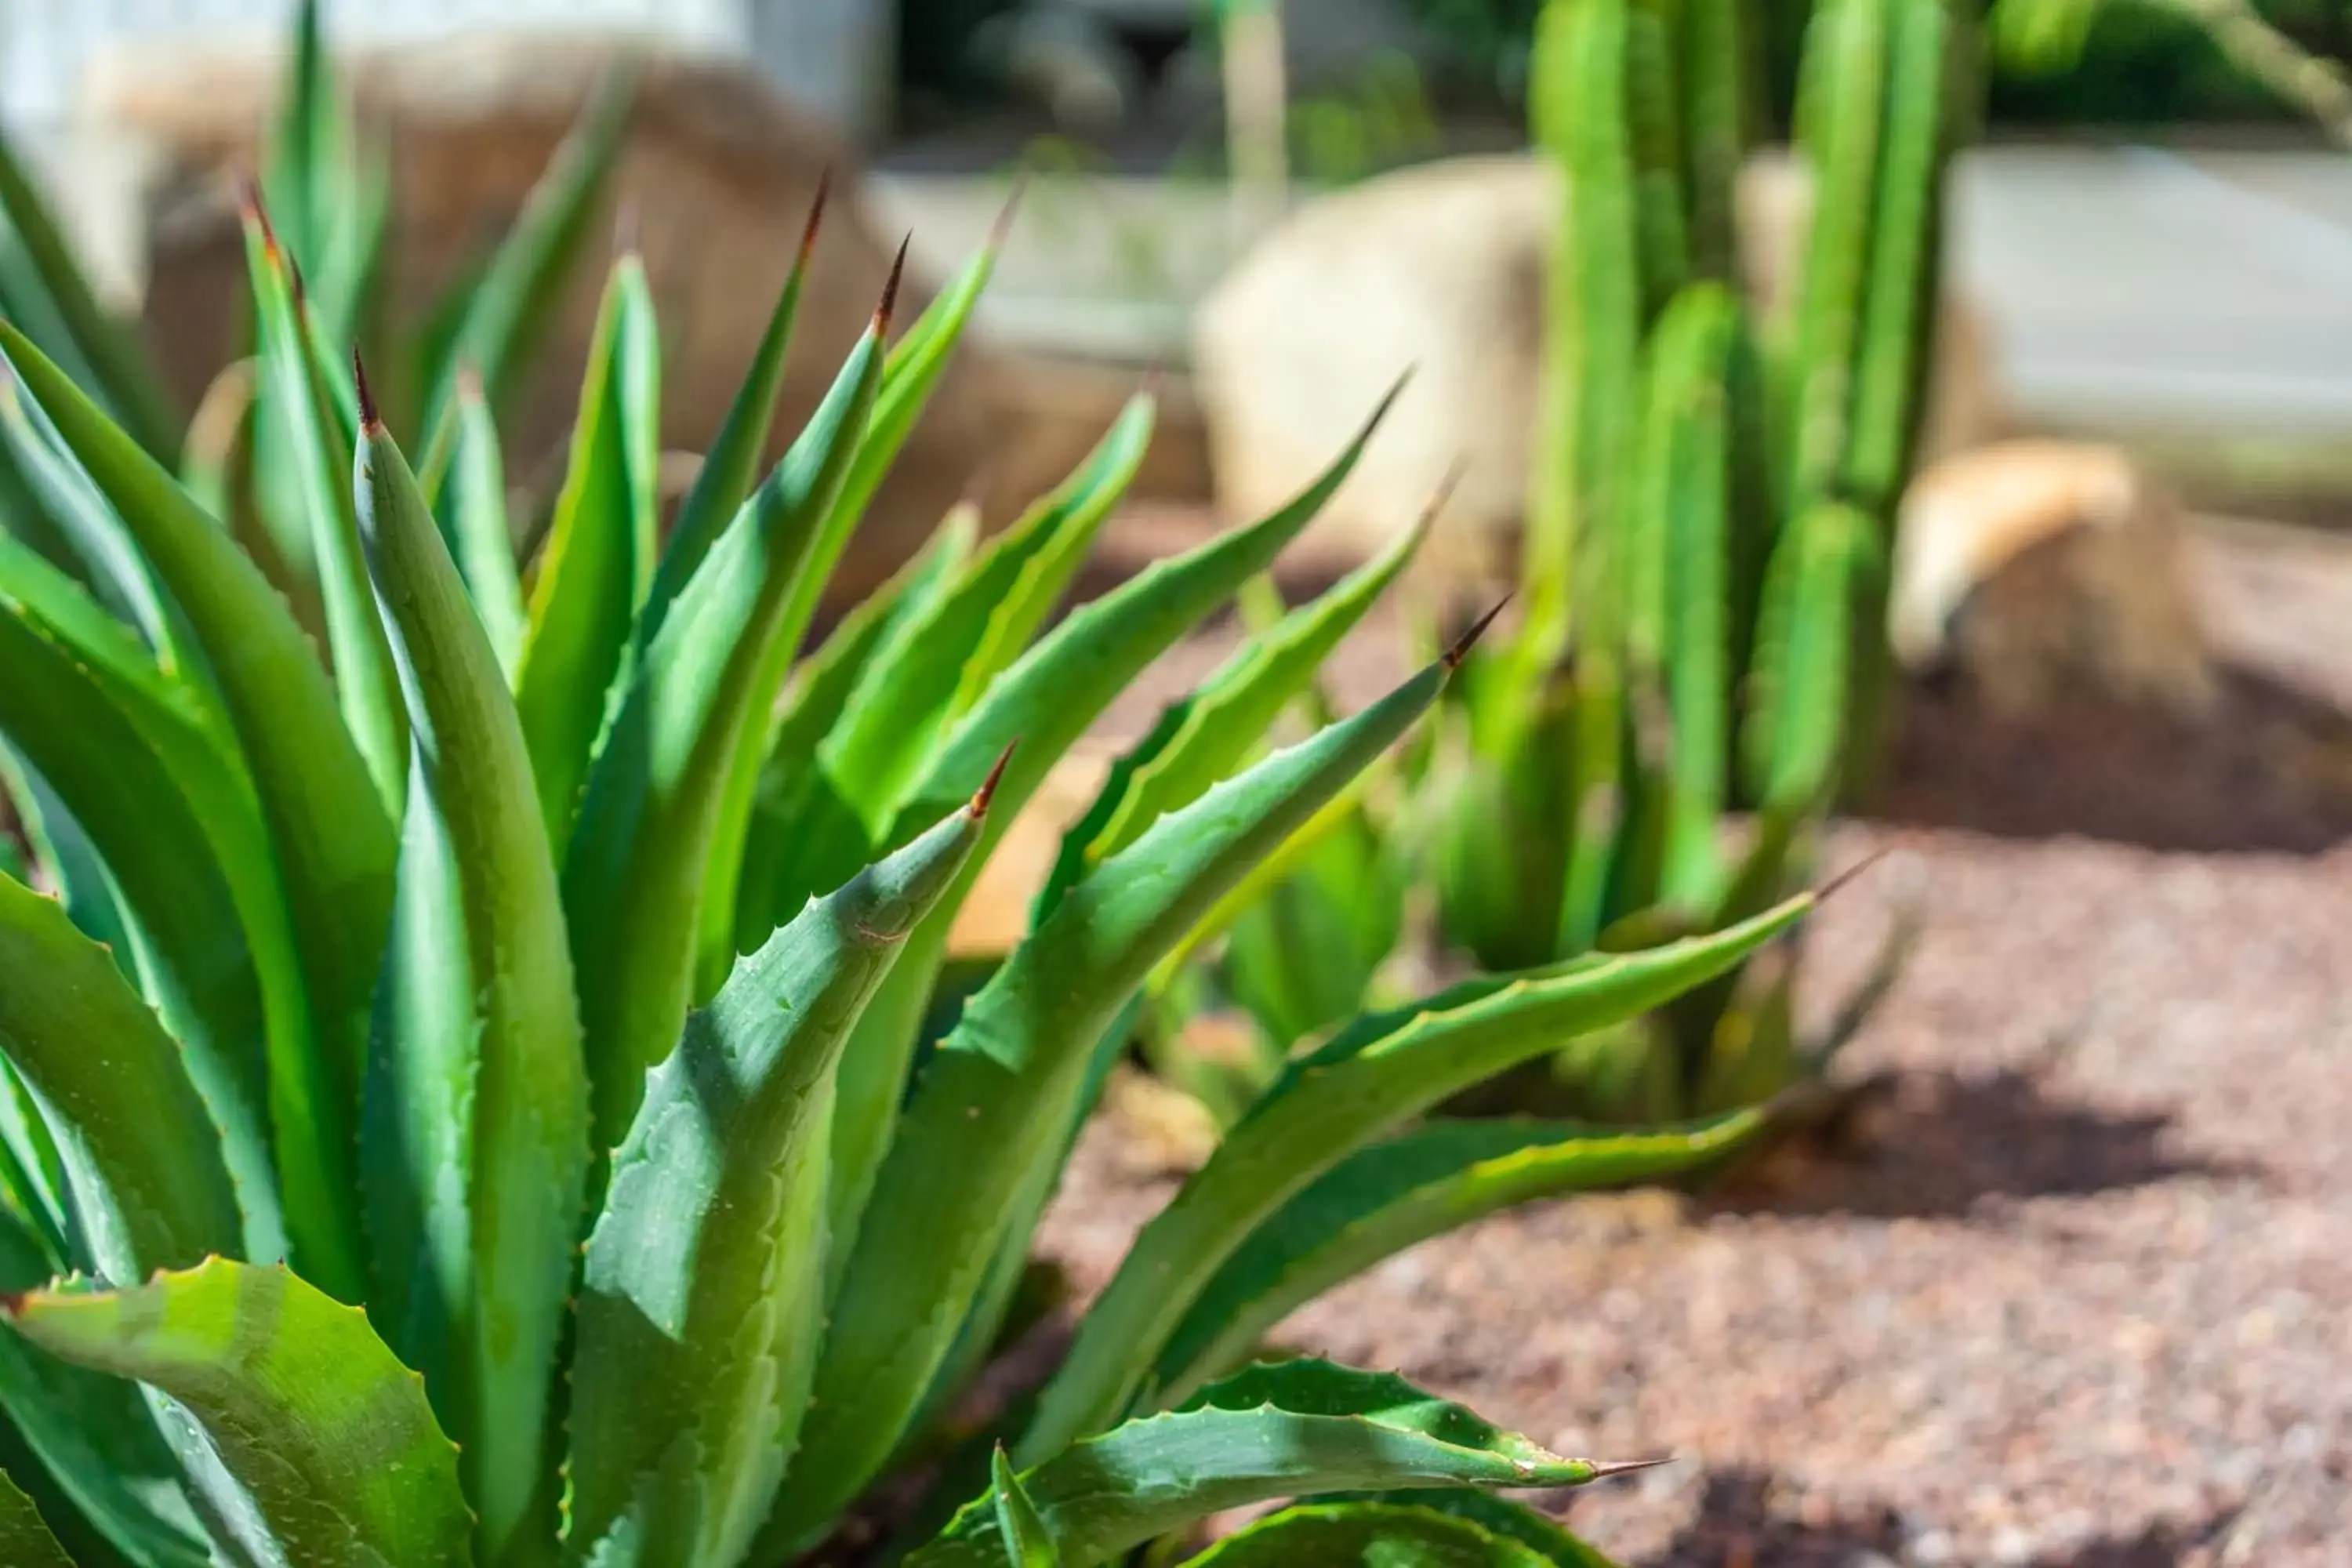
[
  {"x": 718, "y": 169},
  {"x": 1438, "y": 270}
]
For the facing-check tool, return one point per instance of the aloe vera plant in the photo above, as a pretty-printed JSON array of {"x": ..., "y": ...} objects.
[{"x": 466, "y": 1099}]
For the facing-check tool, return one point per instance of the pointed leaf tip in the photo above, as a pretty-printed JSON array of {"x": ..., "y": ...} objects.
[
  {"x": 1843, "y": 879},
  {"x": 1469, "y": 640},
  {"x": 987, "y": 791},
  {"x": 890, "y": 289},
  {"x": 816, "y": 219},
  {"x": 1601, "y": 1471},
  {"x": 470, "y": 382},
  {"x": 250, "y": 204},
  {"x": 999, "y": 231},
  {"x": 369, "y": 419}
]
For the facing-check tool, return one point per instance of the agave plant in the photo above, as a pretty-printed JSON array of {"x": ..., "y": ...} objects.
[{"x": 466, "y": 1099}]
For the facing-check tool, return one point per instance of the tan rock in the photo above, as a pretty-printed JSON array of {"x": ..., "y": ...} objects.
[
  {"x": 2042, "y": 568},
  {"x": 1438, "y": 270},
  {"x": 718, "y": 169}
]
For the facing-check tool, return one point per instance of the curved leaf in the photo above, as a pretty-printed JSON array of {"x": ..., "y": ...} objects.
[
  {"x": 991, "y": 1106},
  {"x": 333, "y": 845},
  {"x": 1045, "y": 702},
  {"x": 185, "y": 929},
  {"x": 1370, "y": 1077},
  {"x": 1027, "y": 1543},
  {"x": 635, "y": 879},
  {"x": 473, "y": 517},
  {"x": 599, "y": 556},
  {"x": 730, "y": 465},
  {"x": 1238, "y": 705},
  {"x": 1388, "y": 1195},
  {"x": 24, "y": 1539},
  {"x": 124, "y": 375},
  {"x": 96, "y": 1459},
  {"x": 329, "y": 1435},
  {"x": 294, "y": 390},
  {"x": 703, "y": 1299},
  {"x": 1497, "y": 1515},
  {"x": 475, "y": 1135},
  {"x": 1276, "y": 1430},
  {"x": 141, "y": 1155},
  {"x": 794, "y": 799},
  {"x": 1367, "y": 1535}
]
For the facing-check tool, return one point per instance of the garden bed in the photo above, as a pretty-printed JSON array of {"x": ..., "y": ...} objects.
[{"x": 2072, "y": 1288}]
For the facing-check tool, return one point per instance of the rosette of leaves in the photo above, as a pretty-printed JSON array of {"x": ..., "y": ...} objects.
[{"x": 465, "y": 1095}]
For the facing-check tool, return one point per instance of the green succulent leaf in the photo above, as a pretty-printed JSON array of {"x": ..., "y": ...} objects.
[
  {"x": 24, "y": 1539},
  {"x": 1370, "y": 1077},
  {"x": 634, "y": 882},
  {"x": 476, "y": 1136},
  {"x": 473, "y": 517},
  {"x": 703, "y": 1298},
  {"x": 787, "y": 836},
  {"x": 1389, "y": 1195},
  {"x": 141, "y": 1157},
  {"x": 123, "y": 375},
  {"x": 333, "y": 846},
  {"x": 1498, "y": 1516},
  {"x": 1367, "y": 1535},
  {"x": 1027, "y": 1543},
  {"x": 1045, "y": 702},
  {"x": 599, "y": 557},
  {"x": 183, "y": 931},
  {"x": 991, "y": 1106},
  {"x": 730, "y": 466},
  {"x": 935, "y": 667},
  {"x": 294, "y": 390},
  {"x": 1276, "y": 1430},
  {"x": 1237, "y": 707},
  {"x": 329, "y": 1435},
  {"x": 96, "y": 1455}
]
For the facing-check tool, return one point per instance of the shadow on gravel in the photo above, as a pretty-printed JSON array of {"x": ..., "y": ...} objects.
[
  {"x": 1744, "y": 1521},
  {"x": 2270, "y": 770},
  {"x": 1939, "y": 1146}
]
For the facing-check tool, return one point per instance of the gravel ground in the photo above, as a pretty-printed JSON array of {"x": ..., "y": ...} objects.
[
  {"x": 2079, "y": 1296},
  {"x": 2074, "y": 1291}
]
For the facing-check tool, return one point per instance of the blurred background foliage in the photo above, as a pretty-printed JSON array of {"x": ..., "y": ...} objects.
[{"x": 2146, "y": 65}]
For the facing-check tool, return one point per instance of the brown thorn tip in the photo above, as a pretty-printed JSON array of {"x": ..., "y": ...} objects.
[
  {"x": 816, "y": 216},
  {"x": 890, "y": 289},
  {"x": 1002, "y": 228},
  {"x": 1448, "y": 483},
  {"x": 1603, "y": 1471},
  {"x": 1837, "y": 883},
  {"x": 626, "y": 227},
  {"x": 248, "y": 200},
  {"x": 1462, "y": 647},
  {"x": 470, "y": 381},
  {"x": 369, "y": 419},
  {"x": 988, "y": 789}
]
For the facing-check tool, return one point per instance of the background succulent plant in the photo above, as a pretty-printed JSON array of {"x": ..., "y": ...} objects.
[
  {"x": 1705, "y": 575},
  {"x": 476, "y": 1107}
]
